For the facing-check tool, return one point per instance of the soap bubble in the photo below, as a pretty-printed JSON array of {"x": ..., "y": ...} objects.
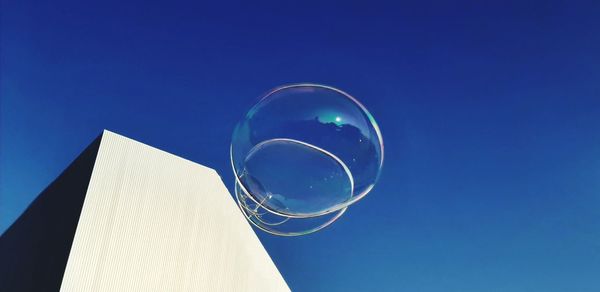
[{"x": 302, "y": 155}]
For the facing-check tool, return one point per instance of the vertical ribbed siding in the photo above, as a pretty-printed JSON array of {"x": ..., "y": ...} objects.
[{"x": 152, "y": 221}]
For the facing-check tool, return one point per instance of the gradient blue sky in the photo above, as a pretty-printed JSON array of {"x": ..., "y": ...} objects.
[{"x": 490, "y": 113}]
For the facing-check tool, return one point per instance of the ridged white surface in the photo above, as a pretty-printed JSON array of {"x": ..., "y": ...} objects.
[{"x": 152, "y": 221}]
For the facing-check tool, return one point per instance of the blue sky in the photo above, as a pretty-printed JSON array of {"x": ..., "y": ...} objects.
[{"x": 490, "y": 114}]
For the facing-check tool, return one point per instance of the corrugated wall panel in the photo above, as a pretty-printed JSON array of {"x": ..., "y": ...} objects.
[{"x": 152, "y": 221}]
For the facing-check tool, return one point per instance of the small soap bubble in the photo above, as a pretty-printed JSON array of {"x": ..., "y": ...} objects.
[{"x": 302, "y": 155}]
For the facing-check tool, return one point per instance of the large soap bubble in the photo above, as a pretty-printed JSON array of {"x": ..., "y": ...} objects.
[{"x": 302, "y": 155}]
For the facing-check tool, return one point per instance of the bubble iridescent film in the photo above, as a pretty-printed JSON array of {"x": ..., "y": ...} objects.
[{"x": 302, "y": 155}]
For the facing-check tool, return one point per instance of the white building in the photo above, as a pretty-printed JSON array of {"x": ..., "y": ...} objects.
[{"x": 128, "y": 217}]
